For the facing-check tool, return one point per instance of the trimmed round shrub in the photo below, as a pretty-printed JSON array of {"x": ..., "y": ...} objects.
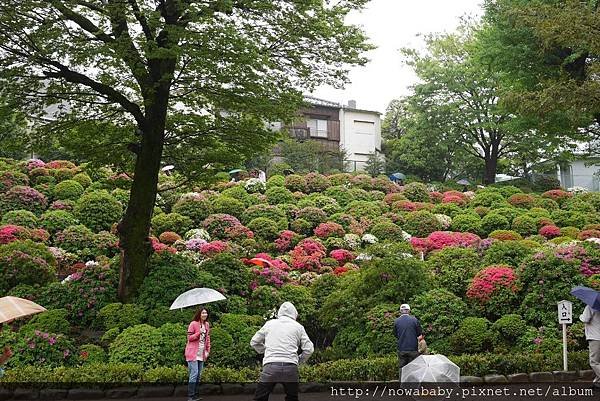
[
  {"x": 170, "y": 275},
  {"x": 509, "y": 328},
  {"x": 92, "y": 354},
  {"x": 275, "y": 181},
  {"x": 492, "y": 222},
  {"x": 98, "y": 210},
  {"x": 341, "y": 194},
  {"x": 57, "y": 220},
  {"x": 467, "y": 222},
  {"x": 313, "y": 215},
  {"x": 238, "y": 192},
  {"x": 565, "y": 218},
  {"x": 416, "y": 192},
  {"x": 494, "y": 289},
  {"x": 140, "y": 344},
  {"x": 228, "y": 205},
  {"x": 174, "y": 222},
  {"x": 122, "y": 195},
  {"x": 421, "y": 223},
  {"x": 230, "y": 271},
  {"x": 571, "y": 232},
  {"x": 194, "y": 206},
  {"x": 578, "y": 205},
  {"x": 22, "y": 197},
  {"x": 121, "y": 316},
  {"x": 316, "y": 182},
  {"x": 25, "y": 262},
  {"x": 9, "y": 179},
  {"x": 505, "y": 235},
  {"x": 169, "y": 237},
  {"x": 358, "y": 209},
  {"x": 449, "y": 209},
  {"x": 277, "y": 195},
  {"x": 83, "y": 179},
  {"x": 510, "y": 253},
  {"x": 453, "y": 268},
  {"x": 23, "y": 218},
  {"x": 386, "y": 232},
  {"x": 440, "y": 313},
  {"x": 264, "y": 228},
  {"x": 329, "y": 229},
  {"x": 295, "y": 183},
  {"x": 473, "y": 336},
  {"x": 521, "y": 200},
  {"x": 359, "y": 194},
  {"x": 219, "y": 225},
  {"x": 486, "y": 198},
  {"x": 76, "y": 239},
  {"x": 67, "y": 190},
  {"x": 52, "y": 321},
  {"x": 525, "y": 225},
  {"x": 267, "y": 211},
  {"x": 301, "y": 226}
]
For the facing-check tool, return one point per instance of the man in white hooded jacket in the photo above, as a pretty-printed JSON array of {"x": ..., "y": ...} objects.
[{"x": 279, "y": 339}]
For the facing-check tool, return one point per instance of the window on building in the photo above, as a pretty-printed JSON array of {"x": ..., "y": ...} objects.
[{"x": 318, "y": 128}]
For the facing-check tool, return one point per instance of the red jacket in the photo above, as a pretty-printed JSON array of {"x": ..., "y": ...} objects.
[{"x": 193, "y": 341}]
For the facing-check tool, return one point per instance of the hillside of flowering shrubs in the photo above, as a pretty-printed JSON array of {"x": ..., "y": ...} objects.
[{"x": 346, "y": 249}]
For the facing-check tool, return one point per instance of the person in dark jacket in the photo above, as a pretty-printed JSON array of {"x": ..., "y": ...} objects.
[{"x": 408, "y": 333}]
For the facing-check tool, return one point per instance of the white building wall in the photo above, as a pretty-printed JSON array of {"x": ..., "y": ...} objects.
[
  {"x": 360, "y": 135},
  {"x": 578, "y": 174}
]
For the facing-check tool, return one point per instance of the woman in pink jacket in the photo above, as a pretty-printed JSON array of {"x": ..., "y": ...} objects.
[{"x": 197, "y": 350}]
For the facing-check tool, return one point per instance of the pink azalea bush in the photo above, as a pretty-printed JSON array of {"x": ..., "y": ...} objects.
[
  {"x": 287, "y": 239},
  {"x": 307, "y": 255},
  {"x": 442, "y": 239},
  {"x": 494, "y": 289},
  {"x": 549, "y": 231},
  {"x": 489, "y": 280},
  {"x": 213, "y": 248},
  {"x": 589, "y": 263},
  {"x": 342, "y": 256},
  {"x": 329, "y": 229},
  {"x": 10, "y": 233}
]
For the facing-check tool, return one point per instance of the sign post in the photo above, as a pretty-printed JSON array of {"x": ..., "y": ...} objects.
[{"x": 565, "y": 316}]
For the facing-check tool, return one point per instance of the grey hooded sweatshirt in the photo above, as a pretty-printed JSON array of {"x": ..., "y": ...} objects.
[{"x": 279, "y": 339}]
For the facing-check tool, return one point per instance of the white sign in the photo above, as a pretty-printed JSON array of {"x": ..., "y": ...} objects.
[{"x": 565, "y": 312}]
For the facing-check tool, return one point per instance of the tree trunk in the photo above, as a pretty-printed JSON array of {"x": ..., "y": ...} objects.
[
  {"x": 134, "y": 228},
  {"x": 491, "y": 165}
]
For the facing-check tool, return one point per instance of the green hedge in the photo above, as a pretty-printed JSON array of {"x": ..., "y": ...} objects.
[{"x": 373, "y": 369}]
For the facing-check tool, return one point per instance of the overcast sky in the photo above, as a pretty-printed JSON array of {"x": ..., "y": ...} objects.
[{"x": 391, "y": 25}]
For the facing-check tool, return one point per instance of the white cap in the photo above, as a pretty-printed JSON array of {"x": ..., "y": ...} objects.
[{"x": 405, "y": 307}]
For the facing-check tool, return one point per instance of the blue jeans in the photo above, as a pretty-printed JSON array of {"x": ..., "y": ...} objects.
[{"x": 195, "y": 370}]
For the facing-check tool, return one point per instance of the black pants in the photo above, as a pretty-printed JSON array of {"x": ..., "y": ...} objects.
[
  {"x": 278, "y": 372},
  {"x": 404, "y": 358}
]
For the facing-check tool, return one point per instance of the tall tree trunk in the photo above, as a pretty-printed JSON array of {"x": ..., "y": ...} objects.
[
  {"x": 134, "y": 228},
  {"x": 491, "y": 164}
]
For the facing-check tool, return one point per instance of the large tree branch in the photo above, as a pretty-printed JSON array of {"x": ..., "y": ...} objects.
[
  {"x": 69, "y": 75},
  {"x": 141, "y": 18}
]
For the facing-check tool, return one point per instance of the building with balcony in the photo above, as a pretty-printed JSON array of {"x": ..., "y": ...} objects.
[{"x": 338, "y": 126}]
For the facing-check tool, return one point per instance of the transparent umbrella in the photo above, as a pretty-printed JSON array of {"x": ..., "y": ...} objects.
[
  {"x": 431, "y": 369},
  {"x": 197, "y": 296}
]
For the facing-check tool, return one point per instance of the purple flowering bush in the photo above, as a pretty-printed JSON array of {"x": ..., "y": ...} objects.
[
  {"x": 22, "y": 197},
  {"x": 25, "y": 262},
  {"x": 43, "y": 349}
]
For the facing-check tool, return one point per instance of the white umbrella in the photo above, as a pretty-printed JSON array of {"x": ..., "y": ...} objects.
[
  {"x": 197, "y": 296},
  {"x": 431, "y": 369},
  {"x": 12, "y": 308}
]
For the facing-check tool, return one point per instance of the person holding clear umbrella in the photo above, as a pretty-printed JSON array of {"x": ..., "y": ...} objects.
[{"x": 197, "y": 350}]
